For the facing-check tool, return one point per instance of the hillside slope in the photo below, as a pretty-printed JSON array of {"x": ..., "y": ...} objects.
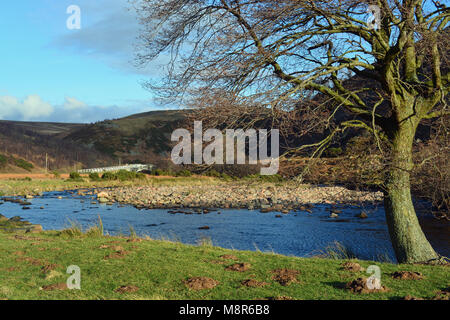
[{"x": 141, "y": 137}]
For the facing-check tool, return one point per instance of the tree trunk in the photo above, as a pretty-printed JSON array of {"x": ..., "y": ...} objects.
[{"x": 409, "y": 241}]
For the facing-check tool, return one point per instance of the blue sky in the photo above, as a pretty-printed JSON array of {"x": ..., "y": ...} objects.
[{"x": 51, "y": 73}]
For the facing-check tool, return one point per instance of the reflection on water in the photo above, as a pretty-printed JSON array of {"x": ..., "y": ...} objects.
[{"x": 298, "y": 233}]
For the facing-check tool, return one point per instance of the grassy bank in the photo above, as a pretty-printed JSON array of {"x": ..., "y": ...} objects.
[
  {"x": 29, "y": 186},
  {"x": 31, "y": 263}
]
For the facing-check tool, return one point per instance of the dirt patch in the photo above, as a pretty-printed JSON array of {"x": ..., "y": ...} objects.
[
  {"x": 126, "y": 289},
  {"x": 134, "y": 240},
  {"x": 285, "y": 276},
  {"x": 239, "y": 267},
  {"x": 411, "y": 298},
  {"x": 407, "y": 275},
  {"x": 200, "y": 283},
  {"x": 19, "y": 253},
  {"x": 49, "y": 267},
  {"x": 32, "y": 261},
  {"x": 253, "y": 283},
  {"x": 443, "y": 294},
  {"x": 56, "y": 286},
  {"x": 12, "y": 269},
  {"x": 115, "y": 248},
  {"x": 360, "y": 286},
  {"x": 118, "y": 248},
  {"x": 116, "y": 255},
  {"x": 352, "y": 266},
  {"x": 229, "y": 257},
  {"x": 19, "y": 237}
]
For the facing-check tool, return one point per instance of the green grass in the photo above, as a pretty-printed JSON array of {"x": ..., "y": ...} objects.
[{"x": 158, "y": 269}]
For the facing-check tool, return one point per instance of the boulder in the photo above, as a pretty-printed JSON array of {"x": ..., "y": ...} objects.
[
  {"x": 35, "y": 228},
  {"x": 362, "y": 215},
  {"x": 103, "y": 200},
  {"x": 102, "y": 195}
]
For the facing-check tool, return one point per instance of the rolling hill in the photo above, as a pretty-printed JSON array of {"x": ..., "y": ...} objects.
[{"x": 141, "y": 137}]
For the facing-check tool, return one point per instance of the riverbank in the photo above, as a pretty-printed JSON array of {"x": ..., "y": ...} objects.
[{"x": 33, "y": 266}]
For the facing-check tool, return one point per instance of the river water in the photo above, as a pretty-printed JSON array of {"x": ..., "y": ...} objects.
[{"x": 298, "y": 233}]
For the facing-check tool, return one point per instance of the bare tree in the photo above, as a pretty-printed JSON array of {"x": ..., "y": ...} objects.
[{"x": 315, "y": 57}]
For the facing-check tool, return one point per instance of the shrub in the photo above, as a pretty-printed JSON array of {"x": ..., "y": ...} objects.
[
  {"x": 160, "y": 172},
  {"x": 23, "y": 164},
  {"x": 3, "y": 160},
  {"x": 140, "y": 176},
  {"x": 74, "y": 230},
  {"x": 183, "y": 173},
  {"x": 97, "y": 230},
  {"x": 212, "y": 173},
  {"x": 94, "y": 176},
  {"x": 109, "y": 176},
  {"x": 123, "y": 175},
  {"x": 226, "y": 177},
  {"x": 56, "y": 174},
  {"x": 75, "y": 176},
  {"x": 338, "y": 251}
]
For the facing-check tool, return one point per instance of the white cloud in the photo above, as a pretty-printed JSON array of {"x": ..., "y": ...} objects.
[
  {"x": 31, "y": 108},
  {"x": 73, "y": 104}
]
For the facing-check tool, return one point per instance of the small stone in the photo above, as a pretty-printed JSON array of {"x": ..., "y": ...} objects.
[{"x": 362, "y": 215}]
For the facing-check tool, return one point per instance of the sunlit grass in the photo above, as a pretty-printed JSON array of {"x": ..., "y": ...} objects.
[{"x": 158, "y": 269}]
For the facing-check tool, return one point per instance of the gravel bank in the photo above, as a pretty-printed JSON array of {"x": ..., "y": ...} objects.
[{"x": 235, "y": 196}]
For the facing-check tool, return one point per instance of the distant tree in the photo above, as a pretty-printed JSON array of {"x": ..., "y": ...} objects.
[{"x": 319, "y": 58}]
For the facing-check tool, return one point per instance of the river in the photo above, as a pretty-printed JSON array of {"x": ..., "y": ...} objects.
[{"x": 300, "y": 234}]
